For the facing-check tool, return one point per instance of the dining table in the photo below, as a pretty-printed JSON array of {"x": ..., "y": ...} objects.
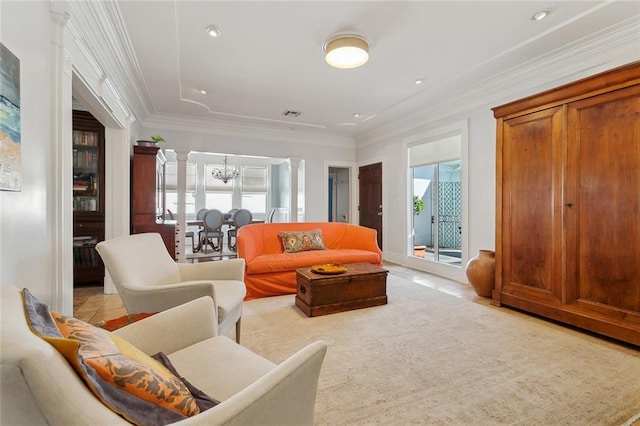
[{"x": 226, "y": 220}]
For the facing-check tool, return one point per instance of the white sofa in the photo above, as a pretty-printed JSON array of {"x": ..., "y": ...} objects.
[{"x": 38, "y": 386}]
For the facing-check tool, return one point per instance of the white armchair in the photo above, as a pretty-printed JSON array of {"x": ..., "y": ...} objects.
[
  {"x": 149, "y": 280},
  {"x": 39, "y": 386}
]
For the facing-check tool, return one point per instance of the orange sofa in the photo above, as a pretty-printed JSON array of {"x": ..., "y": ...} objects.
[{"x": 270, "y": 271}]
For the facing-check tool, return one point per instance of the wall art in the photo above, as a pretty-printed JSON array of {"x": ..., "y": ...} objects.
[{"x": 10, "y": 143}]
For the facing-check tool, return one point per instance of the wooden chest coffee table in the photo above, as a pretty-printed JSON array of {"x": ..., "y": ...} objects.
[{"x": 361, "y": 286}]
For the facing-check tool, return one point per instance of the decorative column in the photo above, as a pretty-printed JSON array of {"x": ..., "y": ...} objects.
[
  {"x": 61, "y": 207},
  {"x": 181, "y": 226},
  {"x": 294, "y": 164}
]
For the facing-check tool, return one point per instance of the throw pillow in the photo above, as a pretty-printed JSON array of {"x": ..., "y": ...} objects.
[
  {"x": 125, "y": 379},
  {"x": 294, "y": 242},
  {"x": 203, "y": 400}
]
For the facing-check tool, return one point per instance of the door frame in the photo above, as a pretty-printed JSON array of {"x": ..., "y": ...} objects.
[
  {"x": 448, "y": 271},
  {"x": 353, "y": 187},
  {"x": 75, "y": 73}
]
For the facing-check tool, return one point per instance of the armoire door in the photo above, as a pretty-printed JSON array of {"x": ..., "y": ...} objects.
[
  {"x": 531, "y": 231},
  {"x": 603, "y": 199}
]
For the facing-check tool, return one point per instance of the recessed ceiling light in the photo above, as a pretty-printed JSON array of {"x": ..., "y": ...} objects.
[
  {"x": 540, "y": 15},
  {"x": 355, "y": 114},
  {"x": 213, "y": 31},
  {"x": 204, "y": 92},
  {"x": 419, "y": 81}
]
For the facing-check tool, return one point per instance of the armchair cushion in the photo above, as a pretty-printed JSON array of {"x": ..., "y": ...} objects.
[
  {"x": 203, "y": 400},
  {"x": 125, "y": 379}
]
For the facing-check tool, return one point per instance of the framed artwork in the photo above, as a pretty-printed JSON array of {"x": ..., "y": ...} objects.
[{"x": 10, "y": 144}]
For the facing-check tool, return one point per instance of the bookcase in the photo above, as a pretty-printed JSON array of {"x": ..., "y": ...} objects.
[{"x": 88, "y": 198}]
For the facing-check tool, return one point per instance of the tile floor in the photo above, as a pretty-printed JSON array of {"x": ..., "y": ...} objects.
[{"x": 90, "y": 304}]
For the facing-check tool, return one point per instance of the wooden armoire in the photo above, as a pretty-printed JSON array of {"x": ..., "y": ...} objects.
[{"x": 568, "y": 204}]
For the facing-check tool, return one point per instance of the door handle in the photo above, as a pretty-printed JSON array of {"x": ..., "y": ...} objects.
[{"x": 379, "y": 213}]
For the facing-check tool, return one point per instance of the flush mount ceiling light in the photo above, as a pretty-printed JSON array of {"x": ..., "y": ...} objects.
[
  {"x": 213, "y": 31},
  {"x": 540, "y": 15},
  {"x": 346, "y": 51}
]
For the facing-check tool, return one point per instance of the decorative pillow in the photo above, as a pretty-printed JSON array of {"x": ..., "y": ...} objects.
[
  {"x": 294, "y": 242},
  {"x": 125, "y": 379},
  {"x": 203, "y": 400}
]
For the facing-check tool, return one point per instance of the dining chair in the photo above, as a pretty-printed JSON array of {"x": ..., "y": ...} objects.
[
  {"x": 271, "y": 215},
  {"x": 191, "y": 234},
  {"x": 212, "y": 221},
  {"x": 240, "y": 218}
]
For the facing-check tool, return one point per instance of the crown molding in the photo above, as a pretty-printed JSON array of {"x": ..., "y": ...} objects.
[
  {"x": 105, "y": 39},
  {"x": 616, "y": 46},
  {"x": 246, "y": 130},
  {"x": 104, "y": 35}
]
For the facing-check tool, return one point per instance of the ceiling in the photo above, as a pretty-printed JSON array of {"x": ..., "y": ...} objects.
[{"x": 269, "y": 56}]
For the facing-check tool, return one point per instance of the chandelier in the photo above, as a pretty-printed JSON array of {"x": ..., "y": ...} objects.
[{"x": 226, "y": 173}]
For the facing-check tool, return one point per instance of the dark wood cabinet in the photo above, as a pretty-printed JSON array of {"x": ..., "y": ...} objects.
[
  {"x": 88, "y": 198},
  {"x": 568, "y": 204},
  {"x": 146, "y": 196}
]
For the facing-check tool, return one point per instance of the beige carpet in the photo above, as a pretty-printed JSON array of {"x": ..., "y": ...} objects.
[{"x": 431, "y": 358}]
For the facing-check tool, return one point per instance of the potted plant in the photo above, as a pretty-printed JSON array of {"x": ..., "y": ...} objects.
[
  {"x": 155, "y": 139},
  {"x": 418, "y": 205}
]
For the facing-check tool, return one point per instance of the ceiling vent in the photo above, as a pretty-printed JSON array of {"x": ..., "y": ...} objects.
[{"x": 289, "y": 113}]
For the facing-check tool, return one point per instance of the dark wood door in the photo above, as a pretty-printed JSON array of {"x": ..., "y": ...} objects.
[{"x": 370, "y": 199}]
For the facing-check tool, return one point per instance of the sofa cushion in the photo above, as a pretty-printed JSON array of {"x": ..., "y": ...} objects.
[
  {"x": 268, "y": 263},
  {"x": 294, "y": 242},
  {"x": 125, "y": 379}
]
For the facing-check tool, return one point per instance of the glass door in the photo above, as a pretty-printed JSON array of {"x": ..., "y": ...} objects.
[{"x": 436, "y": 182}]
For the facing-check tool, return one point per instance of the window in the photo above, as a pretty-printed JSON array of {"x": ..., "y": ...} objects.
[
  {"x": 171, "y": 185},
  {"x": 436, "y": 181},
  {"x": 218, "y": 195},
  {"x": 255, "y": 188}
]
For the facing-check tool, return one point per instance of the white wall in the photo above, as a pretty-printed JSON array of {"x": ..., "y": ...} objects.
[
  {"x": 27, "y": 250},
  {"x": 26, "y": 258},
  {"x": 480, "y": 166}
]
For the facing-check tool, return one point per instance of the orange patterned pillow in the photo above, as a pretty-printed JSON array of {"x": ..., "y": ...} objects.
[
  {"x": 294, "y": 242},
  {"x": 127, "y": 380}
]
